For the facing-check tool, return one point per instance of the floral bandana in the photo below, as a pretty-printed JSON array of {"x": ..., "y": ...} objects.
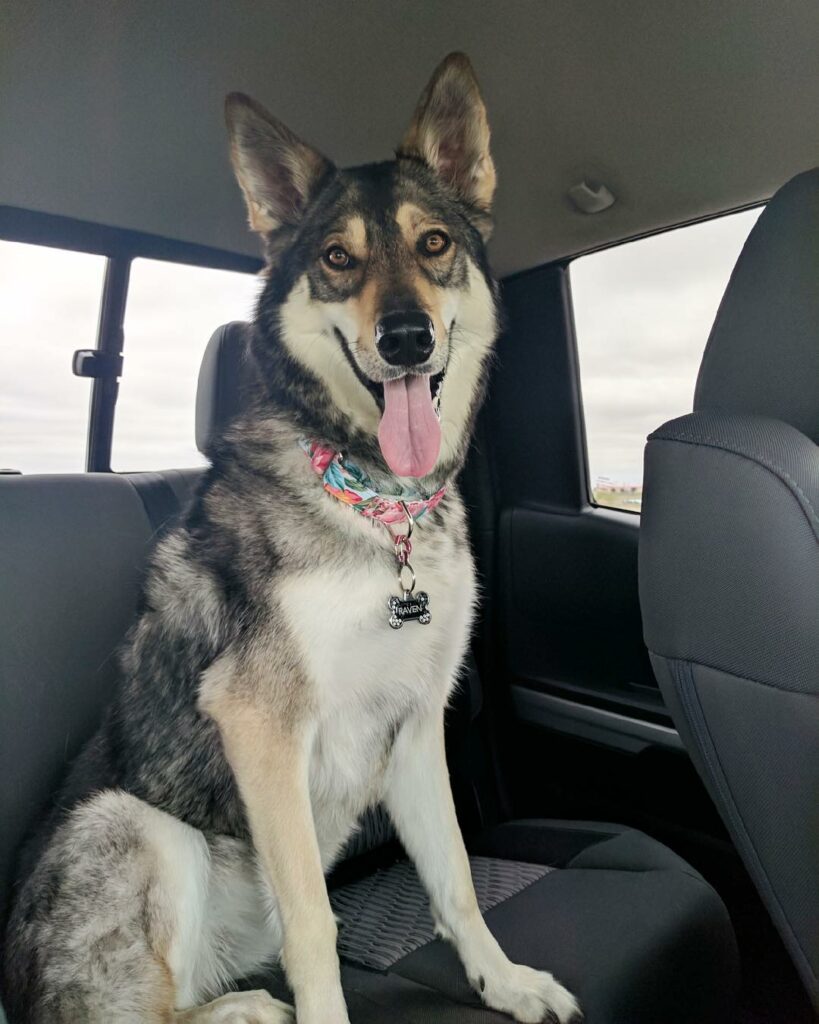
[{"x": 345, "y": 481}]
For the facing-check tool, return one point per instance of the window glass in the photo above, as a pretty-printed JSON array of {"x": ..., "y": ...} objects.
[
  {"x": 171, "y": 312},
  {"x": 643, "y": 312},
  {"x": 49, "y": 306}
]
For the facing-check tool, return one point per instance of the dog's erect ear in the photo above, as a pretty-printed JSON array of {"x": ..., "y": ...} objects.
[
  {"x": 450, "y": 131},
  {"x": 278, "y": 172}
]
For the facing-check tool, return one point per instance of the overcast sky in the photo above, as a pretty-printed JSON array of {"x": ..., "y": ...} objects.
[
  {"x": 49, "y": 306},
  {"x": 171, "y": 313},
  {"x": 643, "y": 312}
]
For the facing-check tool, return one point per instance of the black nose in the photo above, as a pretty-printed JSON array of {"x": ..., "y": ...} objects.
[{"x": 405, "y": 339}]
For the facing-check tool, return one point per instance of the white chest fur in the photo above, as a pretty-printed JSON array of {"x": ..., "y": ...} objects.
[
  {"x": 338, "y": 615},
  {"x": 366, "y": 676}
]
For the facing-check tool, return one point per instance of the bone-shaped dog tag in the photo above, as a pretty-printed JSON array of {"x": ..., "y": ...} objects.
[{"x": 410, "y": 606}]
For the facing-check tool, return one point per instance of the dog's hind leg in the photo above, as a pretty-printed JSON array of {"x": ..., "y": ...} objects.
[{"x": 132, "y": 916}]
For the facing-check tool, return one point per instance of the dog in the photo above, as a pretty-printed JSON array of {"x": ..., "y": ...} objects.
[{"x": 284, "y": 674}]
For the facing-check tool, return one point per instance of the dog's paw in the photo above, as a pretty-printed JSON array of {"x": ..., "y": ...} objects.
[
  {"x": 257, "y": 1007},
  {"x": 530, "y": 996}
]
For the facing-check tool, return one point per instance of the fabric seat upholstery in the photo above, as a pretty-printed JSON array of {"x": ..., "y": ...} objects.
[
  {"x": 633, "y": 931},
  {"x": 625, "y": 923},
  {"x": 729, "y": 565},
  {"x": 72, "y": 551}
]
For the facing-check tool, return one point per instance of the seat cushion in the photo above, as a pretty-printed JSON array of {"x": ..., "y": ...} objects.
[
  {"x": 628, "y": 926},
  {"x": 386, "y": 915}
]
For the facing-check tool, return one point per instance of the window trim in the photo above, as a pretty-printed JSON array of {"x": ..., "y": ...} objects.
[
  {"x": 565, "y": 261},
  {"x": 110, "y": 342},
  {"x": 35, "y": 228}
]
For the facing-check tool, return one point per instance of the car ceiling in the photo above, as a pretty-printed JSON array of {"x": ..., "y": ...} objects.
[{"x": 111, "y": 111}]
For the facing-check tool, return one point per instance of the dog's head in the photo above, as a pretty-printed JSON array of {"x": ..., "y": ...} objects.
[{"x": 378, "y": 314}]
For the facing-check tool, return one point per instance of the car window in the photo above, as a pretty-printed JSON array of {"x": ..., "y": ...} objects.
[
  {"x": 643, "y": 312},
  {"x": 49, "y": 307},
  {"x": 171, "y": 312}
]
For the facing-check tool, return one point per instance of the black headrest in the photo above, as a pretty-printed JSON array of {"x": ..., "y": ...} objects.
[
  {"x": 219, "y": 394},
  {"x": 763, "y": 353}
]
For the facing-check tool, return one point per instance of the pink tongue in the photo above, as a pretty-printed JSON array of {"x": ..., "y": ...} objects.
[{"x": 409, "y": 434}]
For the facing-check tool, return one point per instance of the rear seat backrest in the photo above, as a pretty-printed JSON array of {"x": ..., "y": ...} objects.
[{"x": 72, "y": 552}]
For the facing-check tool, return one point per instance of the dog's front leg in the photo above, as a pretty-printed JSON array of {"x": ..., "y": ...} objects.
[
  {"x": 269, "y": 758},
  {"x": 419, "y": 799}
]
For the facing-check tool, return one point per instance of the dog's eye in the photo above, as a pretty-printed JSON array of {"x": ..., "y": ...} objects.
[
  {"x": 337, "y": 258},
  {"x": 435, "y": 242}
]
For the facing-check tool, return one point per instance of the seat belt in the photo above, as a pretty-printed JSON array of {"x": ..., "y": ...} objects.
[{"x": 159, "y": 500}]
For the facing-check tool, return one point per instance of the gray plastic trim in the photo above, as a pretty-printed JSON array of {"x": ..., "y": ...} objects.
[{"x": 607, "y": 727}]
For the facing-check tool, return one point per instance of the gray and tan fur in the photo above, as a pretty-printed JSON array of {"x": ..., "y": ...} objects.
[{"x": 266, "y": 703}]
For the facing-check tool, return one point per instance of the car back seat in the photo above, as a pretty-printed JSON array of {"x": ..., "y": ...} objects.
[{"x": 633, "y": 930}]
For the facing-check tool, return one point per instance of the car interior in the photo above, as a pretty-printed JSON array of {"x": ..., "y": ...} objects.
[{"x": 634, "y": 746}]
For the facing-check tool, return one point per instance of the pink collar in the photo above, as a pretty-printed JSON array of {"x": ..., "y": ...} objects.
[{"x": 350, "y": 484}]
